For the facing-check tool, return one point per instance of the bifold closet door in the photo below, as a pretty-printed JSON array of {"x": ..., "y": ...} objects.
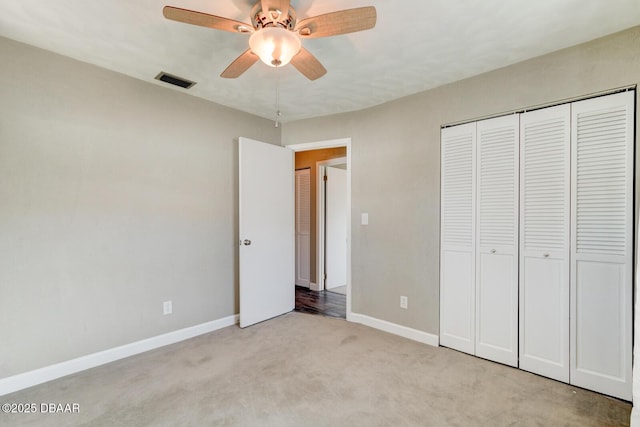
[
  {"x": 457, "y": 239},
  {"x": 545, "y": 137},
  {"x": 497, "y": 242},
  {"x": 602, "y": 243}
]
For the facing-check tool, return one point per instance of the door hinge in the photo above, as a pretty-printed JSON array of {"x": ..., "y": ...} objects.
[{"x": 326, "y": 178}]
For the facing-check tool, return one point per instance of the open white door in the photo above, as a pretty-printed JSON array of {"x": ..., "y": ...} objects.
[{"x": 266, "y": 218}]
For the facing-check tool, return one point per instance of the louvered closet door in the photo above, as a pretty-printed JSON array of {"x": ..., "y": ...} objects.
[
  {"x": 497, "y": 245},
  {"x": 544, "y": 241},
  {"x": 457, "y": 239},
  {"x": 602, "y": 244},
  {"x": 303, "y": 227}
]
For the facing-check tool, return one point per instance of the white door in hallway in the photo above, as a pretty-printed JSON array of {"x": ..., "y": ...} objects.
[
  {"x": 336, "y": 227},
  {"x": 267, "y": 241}
]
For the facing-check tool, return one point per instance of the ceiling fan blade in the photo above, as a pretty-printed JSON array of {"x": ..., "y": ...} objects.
[
  {"x": 341, "y": 22},
  {"x": 276, "y": 5},
  {"x": 241, "y": 64},
  {"x": 205, "y": 20},
  {"x": 308, "y": 65}
]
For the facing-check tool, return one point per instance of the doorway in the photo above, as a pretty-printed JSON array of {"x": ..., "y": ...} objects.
[{"x": 317, "y": 233}]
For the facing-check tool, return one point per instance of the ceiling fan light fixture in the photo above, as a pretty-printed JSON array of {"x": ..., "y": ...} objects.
[
  {"x": 277, "y": 35},
  {"x": 275, "y": 45}
]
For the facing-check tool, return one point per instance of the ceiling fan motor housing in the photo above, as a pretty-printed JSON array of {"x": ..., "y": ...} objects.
[{"x": 272, "y": 18}]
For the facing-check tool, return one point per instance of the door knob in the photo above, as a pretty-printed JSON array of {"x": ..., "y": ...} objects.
[
  {"x": 493, "y": 251},
  {"x": 247, "y": 242},
  {"x": 546, "y": 255}
]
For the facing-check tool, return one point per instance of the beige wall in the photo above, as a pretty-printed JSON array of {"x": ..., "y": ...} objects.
[
  {"x": 396, "y": 165},
  {"x": 308, "y": 159},
  {"x": 115, "y": 195}
]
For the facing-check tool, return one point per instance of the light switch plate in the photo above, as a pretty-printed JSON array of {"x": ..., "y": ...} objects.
[{"x": 365, "y": 219}]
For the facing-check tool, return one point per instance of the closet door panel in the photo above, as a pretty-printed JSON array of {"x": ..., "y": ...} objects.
[
  {"x": 497, "y": 244},
  {"x": 544, "y": 347},
  {"x": 599, "y": 334},
  {"x": 544, "y": 241},
  {"x": 457, "y": 238},
  {"x": 495, "y": 319},
  {"x": 457, "y": 324},
  {"x": 602, "y": 244}
]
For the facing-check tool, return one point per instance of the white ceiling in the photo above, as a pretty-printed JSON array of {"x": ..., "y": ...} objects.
[{"x": 416, "y": 45}]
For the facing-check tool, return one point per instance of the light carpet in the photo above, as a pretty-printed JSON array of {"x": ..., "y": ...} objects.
[{"x": 304, "y": 370}]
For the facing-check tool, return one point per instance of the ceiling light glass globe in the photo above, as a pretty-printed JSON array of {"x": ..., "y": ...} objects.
[{"x": 275, "y": 46}]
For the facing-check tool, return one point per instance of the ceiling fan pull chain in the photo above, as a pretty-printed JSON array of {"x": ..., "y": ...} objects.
[{"x": 278, "y": 113}]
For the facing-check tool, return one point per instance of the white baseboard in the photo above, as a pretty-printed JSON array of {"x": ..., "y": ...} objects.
[
  {"x": 393, "y": 328},
  {"x": 48, "y": 373}
]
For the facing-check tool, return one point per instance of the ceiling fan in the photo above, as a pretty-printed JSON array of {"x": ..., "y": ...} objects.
[{"x": 276, "y": 33}]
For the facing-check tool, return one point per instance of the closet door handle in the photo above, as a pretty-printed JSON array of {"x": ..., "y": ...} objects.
[
  {"x": 493, "y": 251},
  {"x": 546, "y": 255}
]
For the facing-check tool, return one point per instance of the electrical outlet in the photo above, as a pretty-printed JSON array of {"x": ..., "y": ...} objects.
[
  {"x": 167, "y": 307},
  {"x": 404, "y": 302}
]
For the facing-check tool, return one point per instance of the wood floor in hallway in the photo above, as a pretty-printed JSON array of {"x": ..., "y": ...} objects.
[{"x": 325, "y": 303}]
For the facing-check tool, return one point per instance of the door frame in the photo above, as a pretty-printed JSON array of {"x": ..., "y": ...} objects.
[
  {"x": 321, "y": 196},
  {"x": 333, "y": 143}
]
